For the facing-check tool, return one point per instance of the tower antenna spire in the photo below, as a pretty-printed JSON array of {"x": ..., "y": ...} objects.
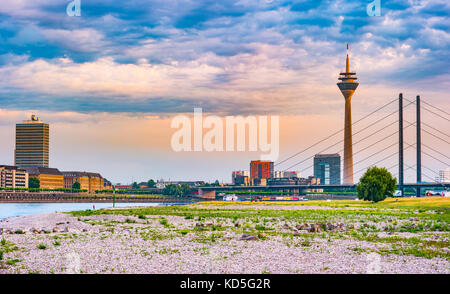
[{"x": 347, "y": 68}]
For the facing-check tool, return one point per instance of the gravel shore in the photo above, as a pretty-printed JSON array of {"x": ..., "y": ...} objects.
[{"x": 60, "y": 243}]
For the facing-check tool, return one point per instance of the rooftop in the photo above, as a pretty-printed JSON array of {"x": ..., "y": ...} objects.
[
  {"x": 327, "y": 155},
  {"x": 37, "y": 170}
]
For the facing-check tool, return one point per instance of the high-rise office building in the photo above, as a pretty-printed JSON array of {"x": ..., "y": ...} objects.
[
  {"x": 261, "y": 170},
  {"x": 327, "y": 168},
  {"x": 32, "y": 143}
]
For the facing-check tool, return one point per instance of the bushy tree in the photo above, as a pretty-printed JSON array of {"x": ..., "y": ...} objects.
[
  {"x": 170, "y": 190},
  {"x": 135, "y": 186},
  {"x": 76, "y": 186},
  {"x": 177, "y": 190},
  {"x": 185, "y": 189},
  {"x": 376, "y": 184},
  {"x": 151, "y": 184},
  {"x": 34, "y": 183}
]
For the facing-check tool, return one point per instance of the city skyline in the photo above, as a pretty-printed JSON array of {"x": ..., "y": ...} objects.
[{"x": 110, "y": 84}]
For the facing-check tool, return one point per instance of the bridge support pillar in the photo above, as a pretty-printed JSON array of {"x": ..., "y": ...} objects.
[
  {"x": 418, "y": 147},
  {"x": 400, "y": 144},
  {"x": 205, "y": 194}
]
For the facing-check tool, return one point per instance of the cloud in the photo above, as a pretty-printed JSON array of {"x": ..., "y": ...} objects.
[{"x": 228, "y": 56}]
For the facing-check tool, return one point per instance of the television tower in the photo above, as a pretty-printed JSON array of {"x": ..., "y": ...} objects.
[{"x": 348, "y": 85}]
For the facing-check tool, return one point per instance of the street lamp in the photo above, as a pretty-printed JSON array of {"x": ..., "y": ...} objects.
[{"x": 114, "y": 196}]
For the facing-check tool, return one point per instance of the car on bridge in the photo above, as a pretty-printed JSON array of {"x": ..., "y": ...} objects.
[
  {"x": 398, "y": 193},
  {"x": 432, "y": 193}
]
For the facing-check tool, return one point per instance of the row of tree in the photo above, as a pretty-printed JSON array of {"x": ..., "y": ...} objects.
[
  {"x": 150, "y": 185},
  {"x": 177, "y": 190}
]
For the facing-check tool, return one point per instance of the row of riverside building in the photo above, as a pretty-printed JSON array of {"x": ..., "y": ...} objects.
[
  {"x": 327, "y": 171},
  {"x": 31, "y": 159}
]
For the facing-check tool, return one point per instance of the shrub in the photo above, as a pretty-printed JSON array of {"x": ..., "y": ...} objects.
[
  {"x": 260, "y": 227},
  {"x": 163, "y": 221},
  {"x": 76, "y": 186},
  {"x": 42, "y": 246},
  {"x": 376, "y": 184},
  {"x": 34, "y": 182}
]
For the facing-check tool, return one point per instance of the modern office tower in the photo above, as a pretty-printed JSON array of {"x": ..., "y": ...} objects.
[
  {"x": 348, "y": 87},
  {"x": 13, "y": 177},
  {"x": 327, "y": 168},
  {"x": 32, "y": 143},
  {"x": 261, "y": 169}
]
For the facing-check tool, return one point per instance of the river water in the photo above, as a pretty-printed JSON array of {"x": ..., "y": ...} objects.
[{"x": 19, "y": 209}]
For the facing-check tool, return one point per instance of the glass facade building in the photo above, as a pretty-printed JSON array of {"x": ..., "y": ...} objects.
[
  {"x": 327, "y": 168},
  {"x": 32, "y": 143}
]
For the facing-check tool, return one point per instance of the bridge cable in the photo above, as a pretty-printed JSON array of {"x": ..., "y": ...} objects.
[
  {"x": 435, "y": 158},
  {"x": 434, "y": 107},
  {"x": 436, "y": 114},
  {"x": 332, "y": 135},
  {"x": 436, "y": 151},
  {"x": 340, "y": 143},
  {"x": 435, "y": 136},
  {"x": 423, "y": 123}
]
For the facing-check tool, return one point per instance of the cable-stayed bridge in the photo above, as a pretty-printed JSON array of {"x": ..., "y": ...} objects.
[{"x": 381, "y": 141}]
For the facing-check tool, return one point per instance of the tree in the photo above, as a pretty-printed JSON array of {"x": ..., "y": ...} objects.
[
  {"x": 185, "y": 189},
  {"x": 171, "y": 190},
  {"x": 76, "y": 186},
  {"x": 135, "y": 186},
  {"x": 376, "y": 184},
  {"x": 34, "y": 183},
  {"x": 151, "y": 184}
]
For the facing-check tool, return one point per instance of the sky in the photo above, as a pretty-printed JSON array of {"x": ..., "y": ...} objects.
[{"x": 111, "y": 81}]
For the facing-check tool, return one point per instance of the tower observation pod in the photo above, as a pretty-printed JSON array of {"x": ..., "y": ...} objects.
[{"x": 348, "y": 85}]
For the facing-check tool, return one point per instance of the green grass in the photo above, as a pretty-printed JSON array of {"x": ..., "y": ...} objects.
[
  {"x": 12, "y": 261},
  {"x": 423, "y": 203},
  {"x": 42, "y": 246},
  {"x": 422, "y": 217}
]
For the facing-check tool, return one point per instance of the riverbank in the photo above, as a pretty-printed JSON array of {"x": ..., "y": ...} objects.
[
  {"x": 397, "y": 236},
  {"x": 80, "y": 198},
  {"x": 8, "y": 210}
]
